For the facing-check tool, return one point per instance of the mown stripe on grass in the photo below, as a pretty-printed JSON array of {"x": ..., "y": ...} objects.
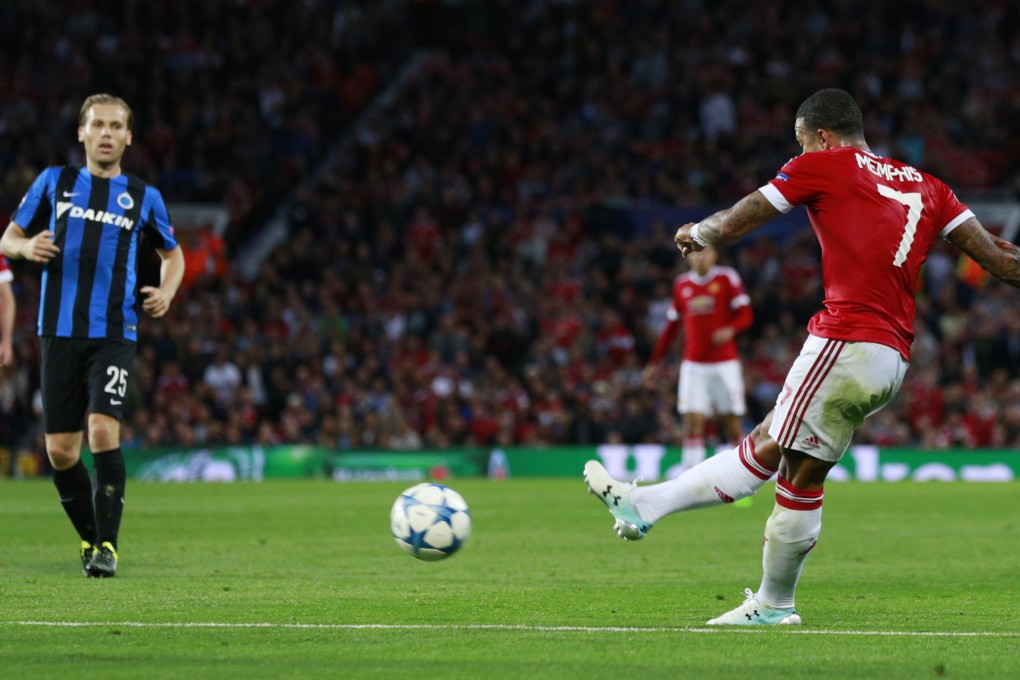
[{"x": 503, "y": 627}]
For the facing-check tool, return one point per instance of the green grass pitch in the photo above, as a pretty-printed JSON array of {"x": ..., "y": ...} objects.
[{"x": 302, "y": 580}]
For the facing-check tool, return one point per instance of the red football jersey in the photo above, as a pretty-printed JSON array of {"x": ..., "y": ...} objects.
[
  {"x": 706, "y": 304},
  {"x": 5, "y": 270},
  {"x": 876, "y": 219}
]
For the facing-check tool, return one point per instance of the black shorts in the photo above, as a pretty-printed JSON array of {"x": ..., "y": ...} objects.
[{"x": 82, "y": 375}]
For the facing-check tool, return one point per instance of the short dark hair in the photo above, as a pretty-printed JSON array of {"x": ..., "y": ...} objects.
[
  {"x": 105, "y": 99},
  {"x": 832, "y": 109}
]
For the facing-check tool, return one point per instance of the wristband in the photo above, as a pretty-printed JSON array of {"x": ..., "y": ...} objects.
[{"x": 697, "y": 237}]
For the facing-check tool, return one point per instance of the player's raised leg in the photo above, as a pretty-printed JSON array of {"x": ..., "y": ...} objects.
[{"x": 723, "y": 478}]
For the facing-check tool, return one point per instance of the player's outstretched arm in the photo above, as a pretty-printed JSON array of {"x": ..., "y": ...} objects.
[
  {"x": 729, "y": 225},
  {"x": 1000, "y": 257}
]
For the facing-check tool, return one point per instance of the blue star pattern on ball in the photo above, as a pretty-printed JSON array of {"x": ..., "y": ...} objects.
[{"x": 430, "y": 521}]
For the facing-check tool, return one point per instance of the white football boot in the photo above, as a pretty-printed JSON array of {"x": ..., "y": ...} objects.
[
  {"x": 616, "y": 495},
  {"x": 754, "y": 613}
]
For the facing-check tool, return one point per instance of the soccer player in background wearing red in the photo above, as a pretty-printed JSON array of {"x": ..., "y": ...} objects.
[
  {"x": 7, "y": 313},
  {"x": 876, "y": 220},
  {"x": 714, "y": 307}
]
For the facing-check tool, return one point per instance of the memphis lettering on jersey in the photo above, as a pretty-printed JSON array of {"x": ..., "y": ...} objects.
[
  {"x": 887, "y": 170},
  {"x": 90, "y": 215}
]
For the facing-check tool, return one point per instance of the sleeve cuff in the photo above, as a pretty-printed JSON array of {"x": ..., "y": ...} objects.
[
  {"x": 957, "y": 221},
  {"x": 778, "y": 201}
]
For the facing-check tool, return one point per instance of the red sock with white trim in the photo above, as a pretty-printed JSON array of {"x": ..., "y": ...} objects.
[
  {"x": 723, "y": 478},
  {"x": 790, "y": 534}
]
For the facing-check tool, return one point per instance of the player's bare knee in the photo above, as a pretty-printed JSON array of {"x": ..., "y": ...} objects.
[
  {"x": 765, "y": 447},
  {"x": 63, "y": 452},
  {"x": 102, "y": 439},
  {"x": 63, "y": 449},
  {"x": 759, "y": 434},
  {"x": 804, "y": 471},
  {"x": 104, "y": 433}
]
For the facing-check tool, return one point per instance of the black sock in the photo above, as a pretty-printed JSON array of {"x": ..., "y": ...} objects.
[
  {"x": 75, "y": 489},
  {"x": 110, "y": 479}
]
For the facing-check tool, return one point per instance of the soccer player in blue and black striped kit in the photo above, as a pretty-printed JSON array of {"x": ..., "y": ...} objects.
[{"x": 85, "y": 225}]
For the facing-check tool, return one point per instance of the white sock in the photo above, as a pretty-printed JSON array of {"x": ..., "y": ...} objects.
[
  {"x": 723, "y": 478},
  {"x": 790, "y": 534},
  {"x": 693, "y": 452}
]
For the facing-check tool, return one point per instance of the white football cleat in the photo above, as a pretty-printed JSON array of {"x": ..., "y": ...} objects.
[
  {"x": 754, "y": 613},
  {"x": 616, "y": 495}
]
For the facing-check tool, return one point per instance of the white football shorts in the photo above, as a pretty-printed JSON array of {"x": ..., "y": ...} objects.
[
  {"x": 711, "y": 389},
  {"x": 831, "y": 388}
]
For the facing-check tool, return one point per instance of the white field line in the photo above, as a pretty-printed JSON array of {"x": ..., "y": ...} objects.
[{"x": 506, "y": 627}]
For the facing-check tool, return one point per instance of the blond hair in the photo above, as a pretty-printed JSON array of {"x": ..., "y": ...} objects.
[{"x": 94, "y": 99}]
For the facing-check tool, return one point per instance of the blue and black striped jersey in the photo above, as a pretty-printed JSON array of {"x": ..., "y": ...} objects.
[{"x": 89, "y": 289}]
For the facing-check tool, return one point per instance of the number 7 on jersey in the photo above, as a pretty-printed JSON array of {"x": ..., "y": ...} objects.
[{"x": 913, "y": 203}]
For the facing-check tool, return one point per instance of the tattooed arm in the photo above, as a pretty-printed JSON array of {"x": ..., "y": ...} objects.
[
  {"x": 727, "y": 226},
  {"x": 1000, "y": 257}
]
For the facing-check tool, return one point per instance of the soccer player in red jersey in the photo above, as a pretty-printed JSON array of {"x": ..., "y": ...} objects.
[
  {"x": 714, "y": 307},
  {"x": 876, "y": 220}
]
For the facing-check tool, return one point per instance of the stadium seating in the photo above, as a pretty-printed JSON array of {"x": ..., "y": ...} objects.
[{"x": 451, "y": 279}]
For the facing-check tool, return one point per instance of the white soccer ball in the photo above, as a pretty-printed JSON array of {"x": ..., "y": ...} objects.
[{"x": 430, "y": 521}]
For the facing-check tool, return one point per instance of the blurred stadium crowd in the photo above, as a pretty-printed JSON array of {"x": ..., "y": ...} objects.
[{"x": 460, "y": 275}]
